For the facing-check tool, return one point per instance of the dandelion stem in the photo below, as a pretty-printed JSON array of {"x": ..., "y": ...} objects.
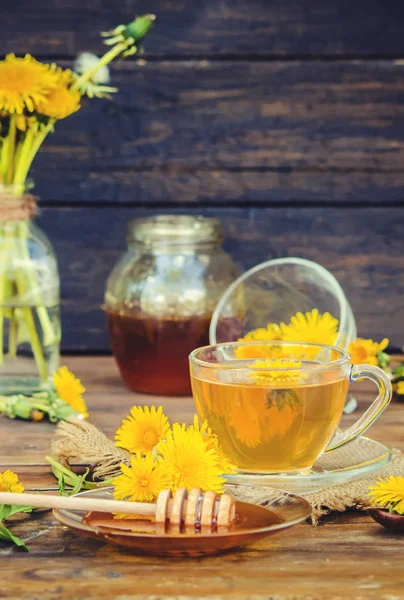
[
  {"x": 24, "y": 285},
  {"x": 50, "y": 336},
  {"x": 4, "y": 158},
  {"x": 12, "y": 336},
  {"x": 35, "y": 343},
  {"x": 39, "y": 138},
  {"x": 77, "y": 482},
  {"x": 22, "y": 166},
  {"x": 12, "y": 135},
  {"x": 17, "y": 154},
  {"x": 104, "y": 60},
  {"x": 5, "y": 248},
  {"x": 1, "y": 321}
]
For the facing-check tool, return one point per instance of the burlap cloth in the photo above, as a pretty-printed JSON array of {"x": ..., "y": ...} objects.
[{"x": 81, "y": 443}]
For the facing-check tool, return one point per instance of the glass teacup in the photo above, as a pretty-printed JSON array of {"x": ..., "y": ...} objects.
[{"x": 275, "y": 406}]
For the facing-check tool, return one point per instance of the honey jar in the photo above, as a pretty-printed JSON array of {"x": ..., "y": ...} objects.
[{"x": 160, "y": 297}]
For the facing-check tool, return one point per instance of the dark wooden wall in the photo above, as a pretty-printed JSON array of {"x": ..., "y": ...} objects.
[{"x": 284, "y": 118}]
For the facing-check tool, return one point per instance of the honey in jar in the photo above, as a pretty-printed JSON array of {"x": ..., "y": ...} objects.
[{"x": 160, "y": 298}]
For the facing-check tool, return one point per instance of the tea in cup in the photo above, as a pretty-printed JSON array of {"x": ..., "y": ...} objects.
[{"x": 277, "y": 412}]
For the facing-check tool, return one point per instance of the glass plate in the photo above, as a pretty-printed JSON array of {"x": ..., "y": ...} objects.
[
  {"x": 254, "y": 522},
  {"x": 356, "y": 459}
]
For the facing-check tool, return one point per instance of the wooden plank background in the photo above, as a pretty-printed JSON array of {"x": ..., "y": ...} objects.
[{"x": 284, "y": 118}]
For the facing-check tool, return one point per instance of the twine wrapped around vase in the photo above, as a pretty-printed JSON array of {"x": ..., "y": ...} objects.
[{"x": 17, "y": 207}]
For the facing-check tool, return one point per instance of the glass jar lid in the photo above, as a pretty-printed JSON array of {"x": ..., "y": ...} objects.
[{"x": 174, "y": 229}]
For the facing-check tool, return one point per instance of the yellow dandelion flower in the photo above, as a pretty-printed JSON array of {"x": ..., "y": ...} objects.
[
  {"x": 212, "y": 443},
  {"x": 24, "y": 122},
  {"x": 143, "y": 429},
  {"x": 399, "y": 388},
  {"x": 268, "y": 334},
  {"x": 311, "y": 327},
  {"x": 247, "y": 351},
  {"x": 246, "y": 419},
  {"x": 142, "y": 481},
  {"x": 271, "y": 332},
  {"x": 389, "y": 492},
  {"x": 366, "y": 351},
  {"x": 70, "y": 389},
  {"x": 189, "y": 462},
  {"x": 24, "y": 83},
  {"x": 281, "y": 415},
  {"x": 61, "y": 101},
  {"x": 9, "y": 482},
  {"x": 291, "y": 372}
]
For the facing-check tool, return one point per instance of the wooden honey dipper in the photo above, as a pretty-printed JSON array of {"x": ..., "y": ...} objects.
[{"x": 195, "y": 509}]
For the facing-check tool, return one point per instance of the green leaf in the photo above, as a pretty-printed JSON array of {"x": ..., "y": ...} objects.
[
  {"x": 398, "y": 371},
  {"x": 7, "y": 536},
  {"x": 80, "y": 483},
  {"x": 61, "y": 484},
  {"x": 383, "y": 360},
  {"x": 8, "y": 510},
  {"x": 66, "y": 476}
]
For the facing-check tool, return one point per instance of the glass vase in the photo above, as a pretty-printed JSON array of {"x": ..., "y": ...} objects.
[{"x": 29, "y": 303}]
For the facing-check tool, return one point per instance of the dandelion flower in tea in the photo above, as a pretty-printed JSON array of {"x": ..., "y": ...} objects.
[
  {"x": 289, "y": 370},
  {"x": 271, "y": 415},
  {"x": 245, "y": 419}
]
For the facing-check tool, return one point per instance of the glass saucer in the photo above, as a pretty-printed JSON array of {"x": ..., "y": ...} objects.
[{"x": 356, "y": 459}]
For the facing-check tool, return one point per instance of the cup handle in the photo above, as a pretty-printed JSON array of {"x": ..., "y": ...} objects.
[{"x": 383, "y": 383}]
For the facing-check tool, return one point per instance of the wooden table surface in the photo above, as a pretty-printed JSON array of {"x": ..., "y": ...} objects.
[{"x": 346, "y": 556}]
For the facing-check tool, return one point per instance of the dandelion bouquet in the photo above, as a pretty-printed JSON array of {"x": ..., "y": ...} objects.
[
  {"x": 149, "y": 454},
  {"x": 33, "y": 97}
]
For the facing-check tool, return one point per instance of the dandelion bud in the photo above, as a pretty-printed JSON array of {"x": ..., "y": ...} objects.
[{"x": 139, "y": 28}]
